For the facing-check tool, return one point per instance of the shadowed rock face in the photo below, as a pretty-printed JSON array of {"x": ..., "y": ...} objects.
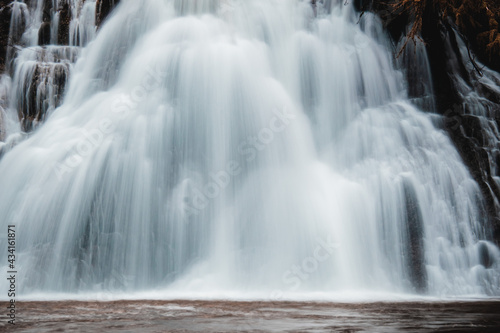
[
  {"x": 42, "y": 86},
  {"x": 5, "y": 14},
  {"x": 469, "y": 101},
  {"x": 64, "y": 21},
  {"x": 44, "y": 34},
  {"x": 34, "y": 108},
  {"x": 10, "y": 31},
  {"x": 485, "y": 257},
  {"x": 47, "y": 9},
  {"x": 414, "y": 245},
  {"x": 467, "y": 95},
  {"x": 2, "y": 126},
  {"x": 478, "y": 20},
  {"x": 103, "y": 9}
]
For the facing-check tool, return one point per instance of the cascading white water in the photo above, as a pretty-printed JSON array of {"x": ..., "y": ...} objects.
[
  {"x": 82, "y": 27},
  {"x": 39, "y": 80},
  {"x": 243, "y": 146},
  {"x": 39, "y": 71}
]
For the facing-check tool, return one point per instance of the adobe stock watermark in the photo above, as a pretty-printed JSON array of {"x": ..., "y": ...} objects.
[
  {"x": 249, "y": 149},
  {"x": 361, "y": 43},
  {"x": 297, "y": 274},
  {"x": 94, "y": 137},
  {"x": 293, "y": 278},
  {"x": 127, "y": 102}
]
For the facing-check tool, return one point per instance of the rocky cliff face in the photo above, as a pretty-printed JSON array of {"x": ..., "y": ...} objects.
[
  {"x": 5, "y": 14},
  {"x": 462, "y": 42},
  {"x": 103, "y": 9},
  {"x": 39, "y": 43}
]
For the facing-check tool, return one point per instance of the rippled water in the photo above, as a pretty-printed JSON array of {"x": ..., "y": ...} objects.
[{"x": 213, "y": 316}]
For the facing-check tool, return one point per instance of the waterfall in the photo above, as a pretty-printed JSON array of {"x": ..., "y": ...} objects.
[{"x": 259, "y": 147}]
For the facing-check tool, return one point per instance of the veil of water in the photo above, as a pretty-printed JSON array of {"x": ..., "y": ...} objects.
[{"x": 241, "y": 146}]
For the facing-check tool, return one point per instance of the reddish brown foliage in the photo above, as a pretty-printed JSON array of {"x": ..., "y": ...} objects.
[{"x": 476, "y": 19}]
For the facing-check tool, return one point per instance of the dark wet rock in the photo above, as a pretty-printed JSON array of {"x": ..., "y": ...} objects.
[
  {"x": 5, "y": 15},
  {"x": 44, "y": 34},
  {"x": 478, "y": 21},
  {"x": 47, "y": 11},
  {"x": 43, "y": 85},
  {"x": 485, "y": 257},
  {"x": 412, "y": 61},
  {"x": 103, "y": 9},
  {"x": 459, "y": 90},
  {"x": 64, "y": 21},
  {"x": 33, "y": 109},
  {"x": 394, "y": 21},
  {"x": 475, "y": 134},
  {"x": 414, "y": 244},
  {"x": 2, "y": 126},
  {"x": 10, "y": 33}
]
